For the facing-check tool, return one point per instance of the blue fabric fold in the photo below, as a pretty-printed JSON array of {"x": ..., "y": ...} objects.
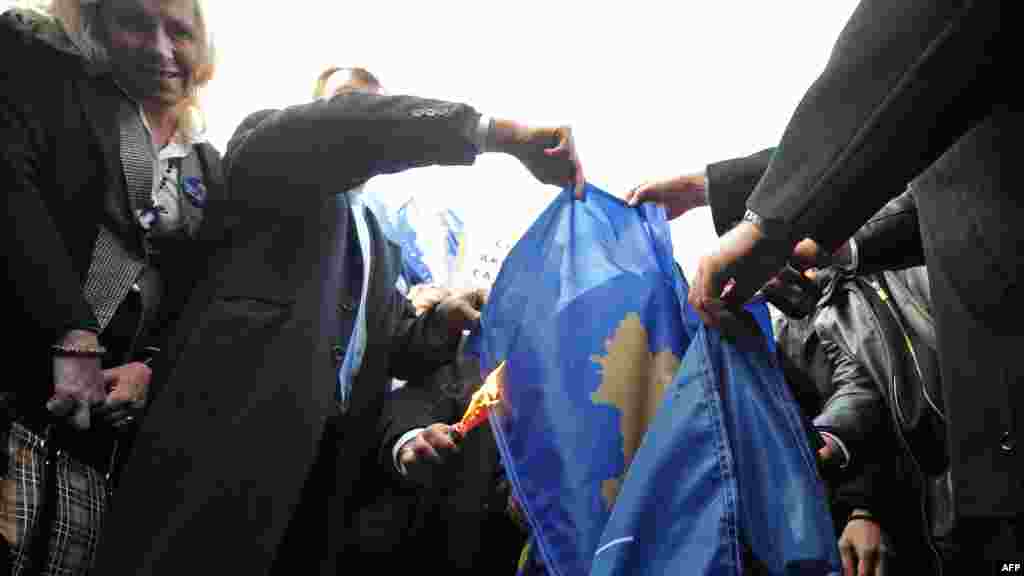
[{"x": 637, "y": 441}]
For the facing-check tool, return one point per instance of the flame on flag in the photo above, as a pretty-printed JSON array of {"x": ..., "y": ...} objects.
[{"x": 480, "y": 404}]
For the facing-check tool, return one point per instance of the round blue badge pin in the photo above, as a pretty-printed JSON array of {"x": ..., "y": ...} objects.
[
  {"x": 149, "y": 217},
  {"x": 195, "y": 191}
]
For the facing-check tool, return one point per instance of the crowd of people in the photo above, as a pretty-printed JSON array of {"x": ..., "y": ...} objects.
[{"x": 211, "y": 342}]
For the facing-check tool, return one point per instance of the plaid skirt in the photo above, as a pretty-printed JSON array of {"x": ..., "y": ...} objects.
[{"x": 81, "y": 501}]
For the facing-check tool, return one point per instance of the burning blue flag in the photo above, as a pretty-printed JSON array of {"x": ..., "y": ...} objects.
[{"x": 588, "y": 313}]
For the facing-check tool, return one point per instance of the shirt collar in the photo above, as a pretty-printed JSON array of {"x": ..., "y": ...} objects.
[
  {"x": 177, "y": 147},
  {"x": 356, "y": 196}
]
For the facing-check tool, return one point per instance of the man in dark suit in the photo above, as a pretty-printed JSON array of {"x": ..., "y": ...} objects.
[
  {"x": 446, "y": 497},
  {"x": 914, "y": 90},
  {"x": 459, "y": 525},
  {"x": 250, "y": 453},
  {"x": 389, "y": 339}
]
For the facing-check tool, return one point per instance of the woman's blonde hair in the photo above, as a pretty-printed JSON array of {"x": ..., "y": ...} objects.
[{"x": 80, "y": 20}]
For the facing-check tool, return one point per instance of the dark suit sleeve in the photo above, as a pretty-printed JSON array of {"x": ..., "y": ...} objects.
[
  {"x": 419, "y": 344},
  {"x": 243, "y": 131},
  {"x": 905, "y": 80},
  {"x": 39, "y": 265},
  {"x": 352, "y": 137},
  {"x": 730, "y": 183},
  {"x": 412, "y": 407},
  {"x": 891, "y": 239}
]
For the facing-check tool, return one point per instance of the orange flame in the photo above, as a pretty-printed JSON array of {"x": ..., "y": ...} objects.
[{"x": 480, "y": 404}]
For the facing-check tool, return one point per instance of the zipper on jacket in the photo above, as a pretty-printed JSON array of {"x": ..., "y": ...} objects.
[
  {"x": 893, "y": 392},
  {"x": 894, "y": 407},
  {"x": 884, "y": 296}
]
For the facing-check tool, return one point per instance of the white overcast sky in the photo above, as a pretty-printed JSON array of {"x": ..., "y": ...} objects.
[{"x": 651, "y": 88}]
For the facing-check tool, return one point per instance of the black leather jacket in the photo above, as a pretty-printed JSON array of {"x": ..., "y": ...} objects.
[
  {"x": 892, "y": 334},
  {"x": 830, "y": 382},
  {"x": 869, "y": 350},
  {"x": 868, "y": 354}
]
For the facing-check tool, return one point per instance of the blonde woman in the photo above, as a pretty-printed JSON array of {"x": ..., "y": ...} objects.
[{"x": 108, "y": 184}]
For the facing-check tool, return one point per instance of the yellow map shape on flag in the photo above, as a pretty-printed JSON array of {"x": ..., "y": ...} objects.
[{"x": 633, "y": 380}]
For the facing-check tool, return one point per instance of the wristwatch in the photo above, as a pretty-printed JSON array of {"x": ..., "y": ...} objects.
[{"x": 774, "y": 230}]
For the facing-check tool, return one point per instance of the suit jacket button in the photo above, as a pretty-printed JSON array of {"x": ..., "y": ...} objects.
[
  {"x": 1007, "y": 443},
  {"x": 346, "y": 307}
]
